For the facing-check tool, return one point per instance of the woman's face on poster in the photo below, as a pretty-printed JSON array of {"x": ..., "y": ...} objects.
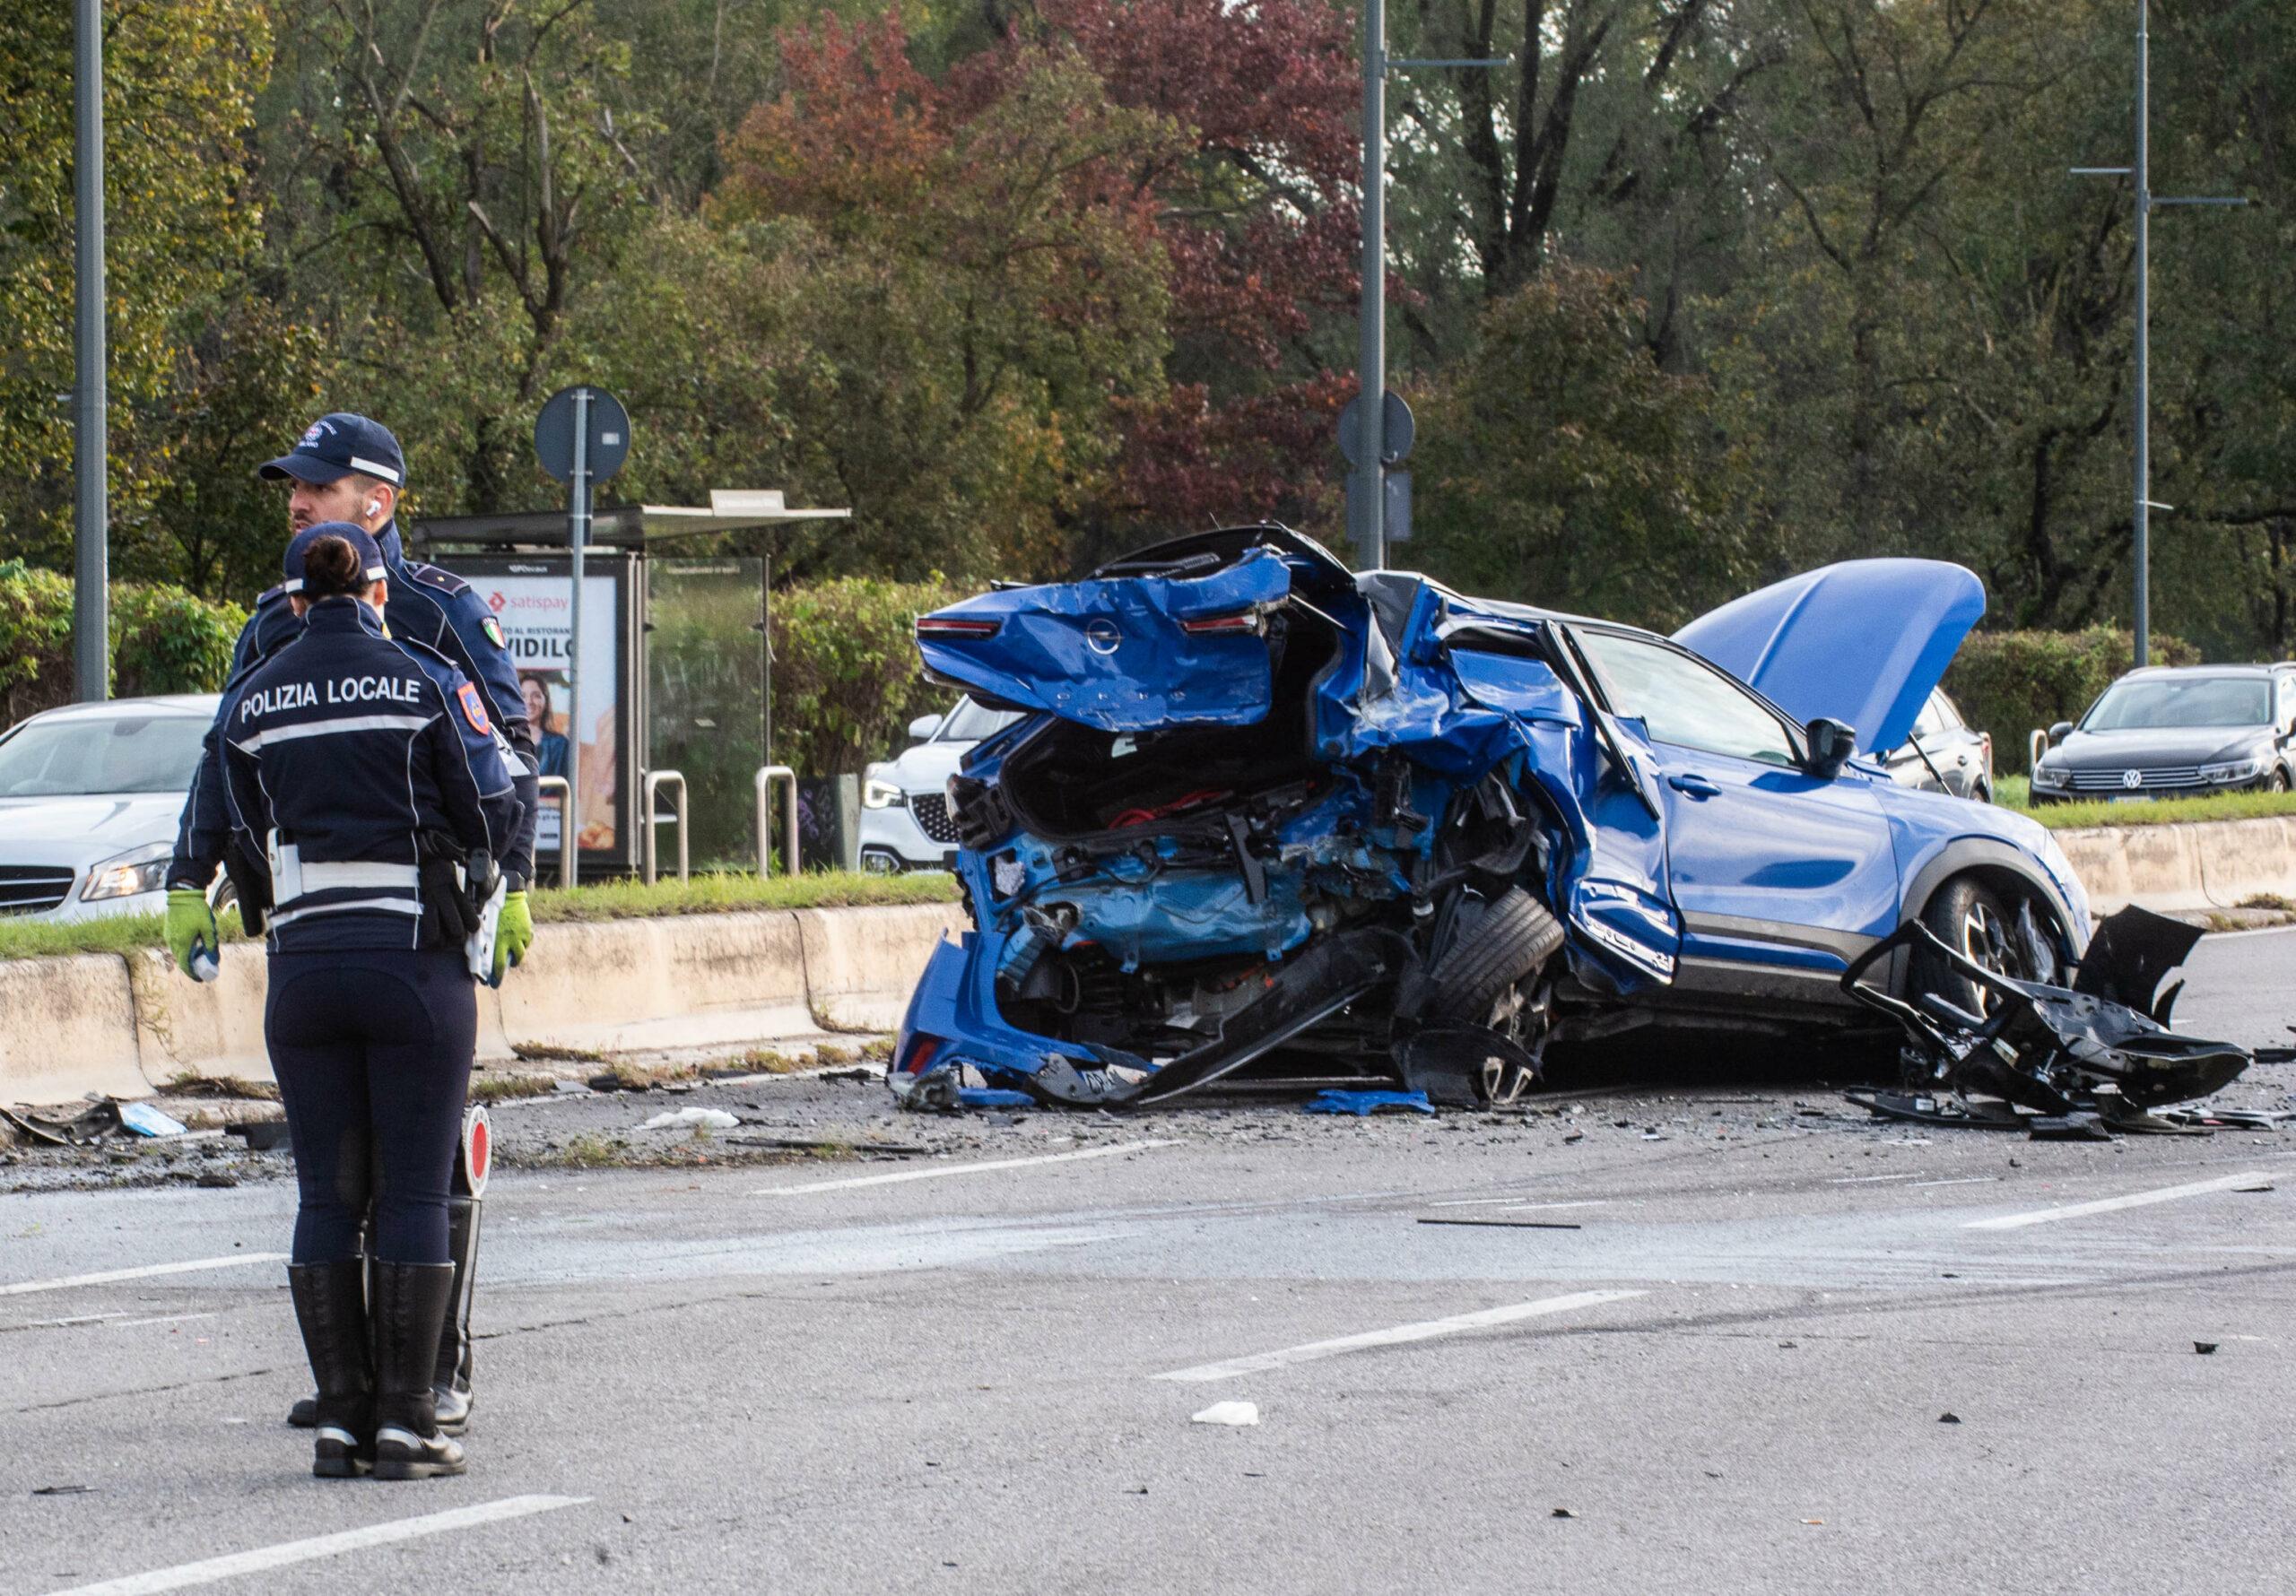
[{"x": 537, "y": 698}]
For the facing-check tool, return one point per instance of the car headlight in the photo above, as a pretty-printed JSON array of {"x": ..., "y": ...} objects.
[
  {"x": 2048, "y": 776},
  {"x": 2232, "y": 770},
  {"x": 876, "y": 793},
  {"x": 139, "y": 869}
]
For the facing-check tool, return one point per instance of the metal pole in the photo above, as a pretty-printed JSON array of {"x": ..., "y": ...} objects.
[
  {"x": 577, "y": 537},
  {"x": 1371, "y": 357},
  {"x": 90, "y": 446},
  {"x": 2143, "y": 441}
]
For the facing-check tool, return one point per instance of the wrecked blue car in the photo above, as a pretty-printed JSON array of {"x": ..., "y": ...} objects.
[{"x": 1266, "y": 816}]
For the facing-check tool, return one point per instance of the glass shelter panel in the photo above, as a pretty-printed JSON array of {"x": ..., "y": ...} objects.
[{"x": 706, "y": 695}]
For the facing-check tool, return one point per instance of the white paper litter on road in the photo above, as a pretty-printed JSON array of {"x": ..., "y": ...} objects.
[
  {"x": 1230, "y": 1413},
  {"x": 717, "y": 1119}
]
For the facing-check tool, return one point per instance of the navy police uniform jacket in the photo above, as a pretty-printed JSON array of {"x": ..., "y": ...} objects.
[
  {"x": 428, "y": 605},
  {"x": 336, "y": 752}
]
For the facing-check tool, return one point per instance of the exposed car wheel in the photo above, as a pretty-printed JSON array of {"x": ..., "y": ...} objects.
[
  {"x": 1976, "y": 921},
  {"x": 2279, "y": 783},
  {"x": 1981, "y": 793},
  {"x": 1494, "y": 974}
]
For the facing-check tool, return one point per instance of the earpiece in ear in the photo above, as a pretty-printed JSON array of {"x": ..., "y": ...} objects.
[{"x": 373, "y": 506}]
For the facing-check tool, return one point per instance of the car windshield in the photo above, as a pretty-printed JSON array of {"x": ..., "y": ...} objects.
[
  {"x": 2168, "y": 701},
  {"x": 970, "y": 722},
  {"x": 117, "y": 753}
]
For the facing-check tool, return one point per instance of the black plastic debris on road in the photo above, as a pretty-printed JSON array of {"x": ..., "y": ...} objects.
[{"x": 2064, "y": 1063}]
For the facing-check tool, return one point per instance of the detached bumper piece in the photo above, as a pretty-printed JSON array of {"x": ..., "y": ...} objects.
[{"x": 2058, "y": 1062}]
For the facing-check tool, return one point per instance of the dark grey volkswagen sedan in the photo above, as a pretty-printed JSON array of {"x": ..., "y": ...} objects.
[{"x": 2177, "y": 731}]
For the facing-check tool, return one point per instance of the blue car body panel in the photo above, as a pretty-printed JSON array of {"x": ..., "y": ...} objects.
[
  {"x": 1224, "y": 771},
  {"x": 1862, "y": 642}
]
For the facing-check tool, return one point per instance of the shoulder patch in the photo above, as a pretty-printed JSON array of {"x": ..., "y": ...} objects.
[
  {"x": 473, "y": 709},
  {"x": 493, "y": 630}
]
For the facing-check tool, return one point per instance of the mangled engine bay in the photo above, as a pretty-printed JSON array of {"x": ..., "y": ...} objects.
[{"x": 1342, "y": 841}]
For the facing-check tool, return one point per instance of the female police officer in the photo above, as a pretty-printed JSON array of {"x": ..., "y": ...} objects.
[{"x": 370, "y": 775}]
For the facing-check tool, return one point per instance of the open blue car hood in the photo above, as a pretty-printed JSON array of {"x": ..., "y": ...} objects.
[{"x": 1864, "y": 642}]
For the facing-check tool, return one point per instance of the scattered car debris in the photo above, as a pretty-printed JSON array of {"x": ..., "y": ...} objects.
[
  {"x": 1562, "y": 1513},
  {"x": 63, "y": 1490},
  {"x": 1363, "y": 1104},
  {"x": 2064, "y": 1063},
  {"x": 90, "y": 1125},
  {"x": 2203, "y": 1347},
  {"x": 141, "y": 1119},
  {"x": 715, "y": 1119},
  {"x": 1228, "y": 1413},
  {"x": 1949, "y": 1418},
  {"x": 261, "y": 1135}
]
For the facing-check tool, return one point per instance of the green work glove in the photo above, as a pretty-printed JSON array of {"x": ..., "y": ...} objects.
[
  {"x": 192, "y": 936},
  {"x": 514, "y": 933}
]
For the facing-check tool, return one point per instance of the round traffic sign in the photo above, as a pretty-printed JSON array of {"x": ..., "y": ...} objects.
[
  {"x": 1396, "y": 430},
  {"x": 609, "y": 434}
]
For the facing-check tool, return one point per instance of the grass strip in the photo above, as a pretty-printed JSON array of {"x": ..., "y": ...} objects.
[
  {"x": 2149, "y": 811},
  {"x": 720, "y": 893}
]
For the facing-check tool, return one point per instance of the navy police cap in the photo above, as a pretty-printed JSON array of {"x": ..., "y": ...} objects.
[
  {"x": 371, "y": 553},
  {"x": 333, "y": 446}
]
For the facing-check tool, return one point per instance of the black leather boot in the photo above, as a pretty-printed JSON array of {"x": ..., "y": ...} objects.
[
  {"x": 305, "y": 1414},
  {"x": 451, "y": 1379},
  {"x": 331, "y": 1308},
  {"x": 409, "y": 1305}
]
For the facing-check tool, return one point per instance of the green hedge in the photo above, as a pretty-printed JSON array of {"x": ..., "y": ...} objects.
[
  {"x": 847, "y": 680},
  {"x": 163, "y": 640},
  {"x": 2009, "y": 684}
]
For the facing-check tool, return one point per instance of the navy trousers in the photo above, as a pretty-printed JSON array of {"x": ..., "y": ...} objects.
[{"x": 372, "y": 1049}]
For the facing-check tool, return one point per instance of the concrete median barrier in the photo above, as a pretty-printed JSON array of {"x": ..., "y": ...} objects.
[
  {"x": 693, "y": 981},
  {"x": 67, "y": 1027},
  {"x": 862, "y": 964},
  {"x": 2188, "y": 867},
  {"x": 191, "y": 1028}
]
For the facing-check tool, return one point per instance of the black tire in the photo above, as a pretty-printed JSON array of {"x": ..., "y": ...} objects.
[
  {"x": 1976, "y": 920},
  {"x": 2279, "y": 783},
  {"x": 1493, "y": 947}
]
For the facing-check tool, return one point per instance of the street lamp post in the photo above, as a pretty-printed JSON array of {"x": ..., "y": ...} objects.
[
  {"x": 1367, "y": 503},
  {"x": 90, "y": 643},
  {"x": 2141, "y": 504}
]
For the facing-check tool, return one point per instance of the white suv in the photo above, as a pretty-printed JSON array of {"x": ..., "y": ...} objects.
[
  {"x": 90, "y": 796},
  {"x": 905, "y": 822}
]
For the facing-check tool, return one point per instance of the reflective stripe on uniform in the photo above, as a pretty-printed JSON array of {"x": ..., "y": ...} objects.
[
  {"x": 381, "y": 905},
  {"x": 328, "y": 728},
  {"x": 326, "y": 878}
]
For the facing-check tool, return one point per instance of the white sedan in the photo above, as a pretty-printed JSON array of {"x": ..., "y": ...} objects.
[{"x": 90, "y": 796}]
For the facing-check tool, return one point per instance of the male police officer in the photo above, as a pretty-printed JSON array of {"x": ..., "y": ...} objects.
[{"x": 348, "y": 468}]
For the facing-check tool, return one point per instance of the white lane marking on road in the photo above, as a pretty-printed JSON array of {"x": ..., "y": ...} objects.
[
  {"x": 323, "y": 1546},
  {"x": 979, "y": 1168},
  {"x": 1959, "y": 1180},
  {"x": 162, "y": 1319},
  {"x": 2112, "y": 1205},
  {"x": 1517, "y": 1202},
  {"x": 106, "y": 1277},
  {"x": 1862, "y": 1179},
  {"x": 1396, "y": 1335}
]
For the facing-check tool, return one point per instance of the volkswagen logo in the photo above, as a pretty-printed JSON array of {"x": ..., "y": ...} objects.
[
  {"x": 1103, "y": 635},
  {"x": 2132, "y": 778}
]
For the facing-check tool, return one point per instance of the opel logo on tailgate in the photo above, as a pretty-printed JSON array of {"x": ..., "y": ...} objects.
[
  {"x": 1103, "y": 635},
  {"x": 2132, "y": 778}
]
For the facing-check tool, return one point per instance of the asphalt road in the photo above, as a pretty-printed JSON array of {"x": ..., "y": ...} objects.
[{"x": 977, "y": 1372}]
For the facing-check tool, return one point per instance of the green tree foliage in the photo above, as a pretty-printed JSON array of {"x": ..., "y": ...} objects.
[
  {"x": 163, "y": 640},
  {"x": 184, "y": 221},
  {"x": 1564, "y": 467},
  {"x": 845, "y": 677},
  {"x": 2012, "y": 683}
]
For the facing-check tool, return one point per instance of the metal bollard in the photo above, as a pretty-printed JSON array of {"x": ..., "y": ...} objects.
[
  {"x": 654, "y": 781},
  {"x": 767, "y": 774}
]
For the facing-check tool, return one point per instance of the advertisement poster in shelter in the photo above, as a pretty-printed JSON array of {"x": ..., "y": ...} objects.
[{"x": 535, "y": 611}]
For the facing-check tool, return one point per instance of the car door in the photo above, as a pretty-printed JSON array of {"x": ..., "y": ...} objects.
[{"x": 1780, "y": 877}]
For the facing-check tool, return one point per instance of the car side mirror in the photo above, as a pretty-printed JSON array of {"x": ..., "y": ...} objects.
[
  {"x": 922, "y": 728},
  {"x": 1831, "y": 742},
  {"x": 2060, "y": 732}
]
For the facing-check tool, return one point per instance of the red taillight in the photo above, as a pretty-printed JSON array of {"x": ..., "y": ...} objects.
[
  {"x": 921, "y": 1050},
  {"x": 955, "y": 626},
  {"x": 1220, "y": 625}
]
